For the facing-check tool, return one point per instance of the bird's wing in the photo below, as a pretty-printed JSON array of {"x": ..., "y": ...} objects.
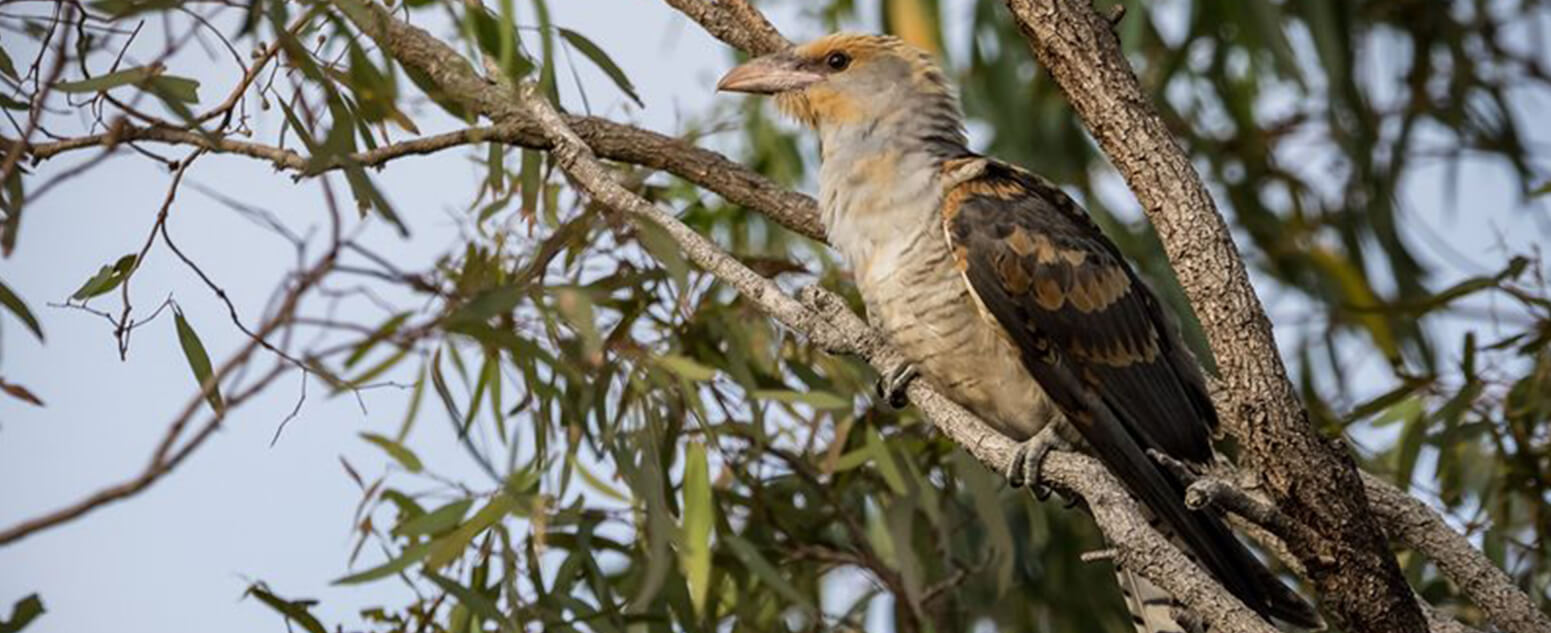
[
  {"x": 1067, "y": 298},
  {"x": 1094, "y": 337}
]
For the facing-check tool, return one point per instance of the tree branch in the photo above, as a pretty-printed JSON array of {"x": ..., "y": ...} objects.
[
  {"x": 727, "y": 178},
  {"x": 1313, "y": 481},
  {"x": 1411, "y": 521},
  {"x": 169, "y": 454},
  {"x": 735, "y": 22}
]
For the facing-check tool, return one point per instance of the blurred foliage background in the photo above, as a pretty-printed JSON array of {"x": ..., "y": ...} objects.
[{"x": 657, "y": 456}]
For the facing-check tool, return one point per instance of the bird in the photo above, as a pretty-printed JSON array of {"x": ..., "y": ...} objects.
[{"x": 1003, "y": 293}]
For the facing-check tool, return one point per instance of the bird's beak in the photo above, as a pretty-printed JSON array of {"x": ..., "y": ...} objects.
[{"x": 771, "y": 74}]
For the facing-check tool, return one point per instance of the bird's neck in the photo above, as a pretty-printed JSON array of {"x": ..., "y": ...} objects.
[
  {"x": 880, "y": 183},
  {"x": 930, "y": 127}
]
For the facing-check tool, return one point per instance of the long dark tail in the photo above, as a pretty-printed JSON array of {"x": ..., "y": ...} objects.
[{"x": 1153, "y": 609}]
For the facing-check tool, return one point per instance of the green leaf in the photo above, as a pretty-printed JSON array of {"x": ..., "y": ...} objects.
[
  {"x": 478, "y": 603},
  {"x": 486, "y": 305},
  {"x": 593, "y": 52},
  {"x": 699, "y": 519},
  {"x": 1411, "y": 438},
  {"x": 111, "y": 80},
  {"x": 686, "y": 367},
  {"x": 815, "y": 399},
  {"x": 445, "y": 549},
  {"x": 179, "y": 89},
  {"x": 440, "y": 382},
  {"x": 436, "y": 521},
  {"x": 577, "y": 309},
  {"x": 664, "y": 249},
  {"x": 387, "y": 329},
  {"x": 532, "y": 181},
  {"x": 9, "y": 69},
  {"x": 1385, "y": 401},
  {"x": 984, "y": 488},
  {"x": 15, "y": 305},
  {"x": 767, "y": 573},
  {"x": 22, "y": 613},
  {"x": 408, "y": 557},
  {"x": 402, "y": 455},
  {"x": 375, "y": 371},
  {"x": 295, "y": 611},
  {"x": 885, "y": 462},
  {"x": 116, "y": 9},
  {"x": 12, "y": 203},
  {"x": 198, "y": 360},
  {"x": 406, "y": 505},
  {"x": 107, "y": 278},
  {"x": 592, "y": 481},
  {"x": 497, "y": 37},
  {"x": 1537, "y": 192}
]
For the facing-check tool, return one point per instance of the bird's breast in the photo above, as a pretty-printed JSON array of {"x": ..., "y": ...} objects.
[{"x": 888, "y": 227}]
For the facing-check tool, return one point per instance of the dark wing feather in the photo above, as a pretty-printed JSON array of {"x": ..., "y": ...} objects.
[
  {"x": 1029, "y": 244},
  {"x": 1096, "y": 340}
]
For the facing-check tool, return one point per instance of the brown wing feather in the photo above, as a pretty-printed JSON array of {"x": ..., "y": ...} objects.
[
  {"x": 1071, "y": 287},
  {"x": 1093, "y": 336}
]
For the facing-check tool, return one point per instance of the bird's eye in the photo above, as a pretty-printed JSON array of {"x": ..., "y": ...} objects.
[{"x": 838, "y": 60}]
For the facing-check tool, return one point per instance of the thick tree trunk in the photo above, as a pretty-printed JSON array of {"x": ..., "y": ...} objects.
[{"x": 1312, "y": 479}]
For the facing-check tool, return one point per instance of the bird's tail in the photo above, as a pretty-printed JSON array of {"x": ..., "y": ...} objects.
[{"x": 1152, "y": 608}]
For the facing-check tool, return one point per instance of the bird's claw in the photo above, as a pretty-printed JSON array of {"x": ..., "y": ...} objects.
[
  {"x": 891, "y": 386},
  {"x": 1024, "y": 468}
]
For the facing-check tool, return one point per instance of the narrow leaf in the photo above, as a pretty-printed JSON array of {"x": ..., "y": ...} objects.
[
  {"x": 295, "y": 611},
  {"x": 15, "y": 305},
  {"x": 487, "y": 304},
  {"x": 402, "y": 455},
  {"x": 9, "y": 69},
  {"x": 436, "y": 521},
  {"x": 767, "y": 573},
  {"x": 110, "y": 80},
  {"x": 477, "y": 603},
  {"x": 117, "y": 9},
  {"x": 179, "y": 89},
  {"x": 387, "y": 329},
  {"x": 411, "y": 555},
  {"x": 699, "y": 518},
  {"x": 445, "y": 549},
  {"x": 107, "y": 278},
  {"x": 686, "y": 367},
  {"x": 19, "y": 392},
  {"x": 198, "y": 360},
  {"x": 815, "y": 399},
  {"x": 593, "y": 52}
]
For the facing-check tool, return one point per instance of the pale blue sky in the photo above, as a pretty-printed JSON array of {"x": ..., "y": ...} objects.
[{"x": 178, "y": 557}]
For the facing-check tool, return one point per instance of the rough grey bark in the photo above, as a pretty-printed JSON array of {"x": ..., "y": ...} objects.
[
  {"x": 1312, "y": 479},
  {"x": 1416, "y": 525}
]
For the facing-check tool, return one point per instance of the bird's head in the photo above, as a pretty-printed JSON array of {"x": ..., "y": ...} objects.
[{"x": 848, "y": 78}]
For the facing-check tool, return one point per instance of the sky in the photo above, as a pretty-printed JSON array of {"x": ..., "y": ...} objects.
[{"x": 179, "y": 556}]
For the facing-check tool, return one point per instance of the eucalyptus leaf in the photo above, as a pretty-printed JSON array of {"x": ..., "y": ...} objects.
[{"x": 198, "y": 361}]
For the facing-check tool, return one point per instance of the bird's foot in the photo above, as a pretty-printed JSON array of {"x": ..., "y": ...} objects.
[
  {"x": 1023, "y": 470},
  {"x": 891, "y": 386}
]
